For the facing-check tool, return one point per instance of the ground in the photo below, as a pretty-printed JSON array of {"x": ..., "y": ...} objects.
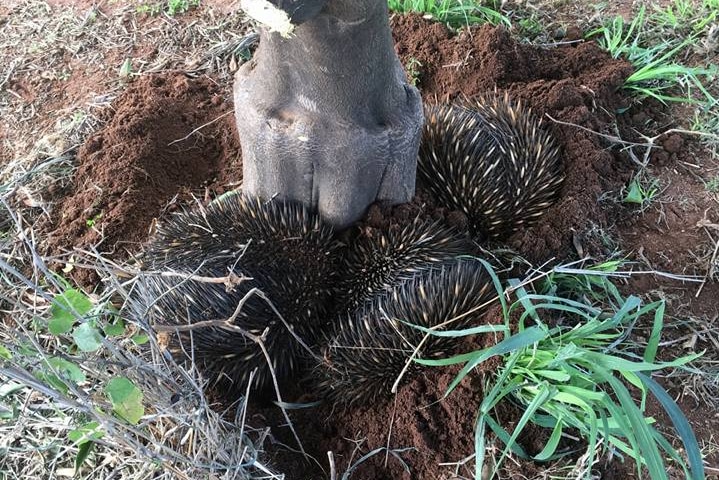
[{"x": 112, "y": 118}]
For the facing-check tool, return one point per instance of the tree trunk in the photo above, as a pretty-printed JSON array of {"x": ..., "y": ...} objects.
[{"x": 326, "y": 116}]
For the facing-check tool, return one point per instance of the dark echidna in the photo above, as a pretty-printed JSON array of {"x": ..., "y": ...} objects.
[
  {"x": 382, "y": 260},
  {"x": 492, "y": 160},
  {"x": 370, "y": 347},
  {"x": 288, "y": 253}
]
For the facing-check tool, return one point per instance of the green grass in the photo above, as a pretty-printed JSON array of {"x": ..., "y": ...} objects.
[
  {"x": 655, "y": 45},
  {"x": 455, "y": 13},
  {"x": 568, "y": 366},
  {"x": 641, "y": 191},
  {"x": 170, "y": 7},
  {"x": 712, "y": 185}
]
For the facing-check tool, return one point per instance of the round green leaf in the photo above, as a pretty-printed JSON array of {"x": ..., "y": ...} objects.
[
  {"x": 65, "y": 310},
  {"x": 87, "y": 338},
  {"x": 126, "y": 399}
]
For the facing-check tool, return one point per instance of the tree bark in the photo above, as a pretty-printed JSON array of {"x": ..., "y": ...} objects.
[{"x": 326, "y": 116}]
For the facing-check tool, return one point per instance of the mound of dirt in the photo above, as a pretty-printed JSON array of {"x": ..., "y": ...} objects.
[
  {"x": 169, "y": 136},
  {"x": 148, "y": 153},
  {"x": 577, "y": 84}
]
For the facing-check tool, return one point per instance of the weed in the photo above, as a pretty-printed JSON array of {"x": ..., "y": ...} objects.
[
  {"x": 566, "y": 363},
  {"x": 657, "y": 70},
  {"x": 641, "y": 192},
  {"x": 530, "y": 27},
  {"x": 413, "y": 70},
  {"x": 91, "y": 222},
  {"x": 456, "y": 13},
  {"x": 171, "y": 7},
  {"x": 712, "y": 185}
]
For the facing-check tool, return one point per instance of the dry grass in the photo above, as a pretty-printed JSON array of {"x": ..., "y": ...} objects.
[
  {"x": 59, "y": 72},
  {"x": 180, "y": 436}
]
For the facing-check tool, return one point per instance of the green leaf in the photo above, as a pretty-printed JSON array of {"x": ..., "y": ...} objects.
[
  {"x": 140, "y": 339},
  {"x": 653, "y": 344},
  {"x": 66, "y": 309},
  {"x": 86, "y": 433},
  {"x": 635, "y": 194},
  {"x": 53, "y": 381},
  {"x": 681, "y": 425},
  {"x": 83, "y": 452},
  {"x": 87, "y": 337},
  {"x": 511, "y": 344},
  {"x": 7, "y": 413},
  {"x": 126, "y": 399},
  {"x": 552, "y": 443},
  {"x": 5, "y": 353},
  {"x": 125, "y": 69},
  {"x": 114, "y": 329},
  {"x": 544, "y": 393},
  {"x": 67, "y": 369},
  {"x": 643, "y": 433}
]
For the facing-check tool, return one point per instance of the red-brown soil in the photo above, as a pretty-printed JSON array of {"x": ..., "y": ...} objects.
[
  {"x": 132, "y": 168},
  {"x": 148, "y": 153}
]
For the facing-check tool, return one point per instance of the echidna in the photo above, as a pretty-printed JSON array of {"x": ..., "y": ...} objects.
[
  {"x": 492, "y": 160},
  {"x": 370, "y": 347},
  {"x": 288, "y": 253},
  {"x": 379, "y": 262}
]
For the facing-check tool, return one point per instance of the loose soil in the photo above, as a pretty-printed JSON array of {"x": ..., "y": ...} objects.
[{"x": 171, "y": 136}]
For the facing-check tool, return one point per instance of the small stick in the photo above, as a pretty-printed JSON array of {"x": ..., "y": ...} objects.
[{"x": 199, "y": 128}]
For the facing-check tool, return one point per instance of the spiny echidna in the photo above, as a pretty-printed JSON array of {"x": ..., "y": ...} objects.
[
  {"x": 369, "y": 348},
  {"x": 378, "y": 262},
  {"x": 492, "y": 160},
  {"x": 288, "y": 253}
]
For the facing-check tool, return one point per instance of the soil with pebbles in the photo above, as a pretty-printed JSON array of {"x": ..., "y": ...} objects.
[{"x": 151, "y": 152}]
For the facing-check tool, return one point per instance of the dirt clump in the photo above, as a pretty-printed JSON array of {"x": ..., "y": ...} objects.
[
  {"x": 574, "y": 84},
  {"x": 169, "y": 135}
]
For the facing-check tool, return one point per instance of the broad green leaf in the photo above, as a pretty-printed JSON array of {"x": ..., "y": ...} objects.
[
  {"x": 634, "y": 195},
  {"x": 552, "y": 443},
  {"x": 140, "y": 339},
  {"x": 65, "y": 310},
  {"x": 5, "y": 353},
  {"x": 126, "y": 399},
  {"x": 83, "y": 451},
  {"x": 67, "y": 369},
  {"x": 114, "y": 329},
  {"x": 87, "y": 337},
  {"x": 125, "y": 68}
]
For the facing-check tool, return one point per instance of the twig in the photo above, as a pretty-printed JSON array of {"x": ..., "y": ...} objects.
[
  {"x": 333, "y": 469},
  {"x": 710, "y": 269},
  {"x": 648, "y": 144},
  {"x": 389, "y": 433},
  {"x": 259, "y": 340},
  {"x": 199, "y": 128}
]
